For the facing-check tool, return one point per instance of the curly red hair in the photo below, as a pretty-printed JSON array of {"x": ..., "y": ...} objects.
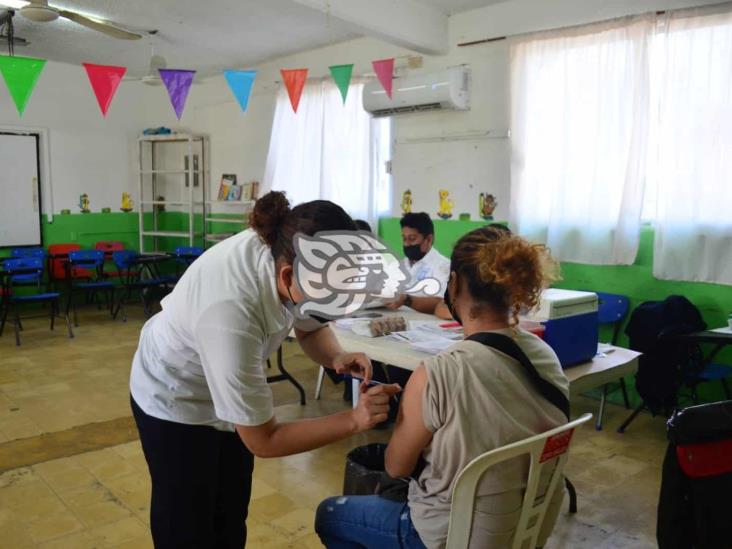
[{"x": 502, "y": 271}]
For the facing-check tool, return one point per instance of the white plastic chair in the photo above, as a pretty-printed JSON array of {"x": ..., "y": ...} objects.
[{"x": 542, "y": 449}]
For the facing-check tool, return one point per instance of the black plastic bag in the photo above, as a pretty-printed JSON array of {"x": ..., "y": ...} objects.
[{"x": 364, "y": 468}]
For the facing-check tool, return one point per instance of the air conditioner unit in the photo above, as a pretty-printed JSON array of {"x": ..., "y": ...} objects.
[{"x": 444, "y": 90}]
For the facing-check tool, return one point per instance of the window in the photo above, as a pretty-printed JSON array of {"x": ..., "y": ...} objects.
[
  {"x": 330, "y": 150},
  {"x": 623, "y": 121}
]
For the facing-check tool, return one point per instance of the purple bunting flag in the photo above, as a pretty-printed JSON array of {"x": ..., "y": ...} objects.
[{"x": 177, "y": 82}]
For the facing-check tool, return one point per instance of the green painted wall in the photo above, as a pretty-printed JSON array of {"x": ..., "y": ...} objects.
[
  {"x": 636, "y": 281},
  {"x": 87, "y": 229}
]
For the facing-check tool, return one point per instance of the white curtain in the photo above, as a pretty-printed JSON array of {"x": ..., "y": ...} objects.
[
  {"x": 579, "y": 125},
  {"x": 691, "y": 147},
  {"x": 326, "y": 150}
]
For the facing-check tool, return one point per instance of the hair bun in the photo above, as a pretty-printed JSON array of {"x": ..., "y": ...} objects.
[{"x": 269, "y": 215}]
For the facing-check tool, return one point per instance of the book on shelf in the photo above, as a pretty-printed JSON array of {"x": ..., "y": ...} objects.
[
  {"x": 255, "y": 190},
  {"x": 234, "y": 193},
  {"x": 228, "y": 180}
]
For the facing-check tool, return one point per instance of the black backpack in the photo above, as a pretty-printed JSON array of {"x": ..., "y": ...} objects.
[
  {"x": 693, "y": 507},
  {"x": 653, "y": 330}
]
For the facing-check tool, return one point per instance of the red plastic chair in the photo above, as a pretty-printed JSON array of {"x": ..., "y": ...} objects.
[
  {"x": 57, "y": 268},
  {"x": 108, "y": 247}
]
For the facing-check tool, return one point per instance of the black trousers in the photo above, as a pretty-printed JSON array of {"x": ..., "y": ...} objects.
[{"x": 201, "y": 484}]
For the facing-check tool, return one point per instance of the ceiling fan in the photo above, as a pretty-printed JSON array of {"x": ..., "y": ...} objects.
[
  {"x": 39, "y": 11},
  {"x": 152, "y": 76}
]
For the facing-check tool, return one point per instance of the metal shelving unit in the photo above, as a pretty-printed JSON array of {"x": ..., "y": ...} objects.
[
  {"x": 154, "y": 175},
  {"x": 244, "y": 206}
]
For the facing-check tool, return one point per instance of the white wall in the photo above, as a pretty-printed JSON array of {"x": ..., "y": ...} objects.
[
  {"x": 87, "y": 153},
  {"x": 98, "y": 156},
  {"x": 466, "y": 168}
]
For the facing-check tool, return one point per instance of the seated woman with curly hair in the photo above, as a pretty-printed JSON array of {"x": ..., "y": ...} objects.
[{"x": 462, "y": 403}]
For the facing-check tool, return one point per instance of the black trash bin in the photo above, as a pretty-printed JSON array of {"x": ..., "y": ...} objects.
[{"x": 364, "y": 467}]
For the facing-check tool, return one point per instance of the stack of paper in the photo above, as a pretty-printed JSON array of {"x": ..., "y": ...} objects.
[{"x": 434, "y": 345}]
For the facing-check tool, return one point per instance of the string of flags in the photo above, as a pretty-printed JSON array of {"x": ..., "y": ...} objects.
[{"x": 21, "y": 75}]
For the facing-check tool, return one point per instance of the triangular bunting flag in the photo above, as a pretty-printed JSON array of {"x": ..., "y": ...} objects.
[
  {"x": 104, "y": 80},
  {"x": 177, "y": 82},
  {"x": 21, "y": 75},
  {"x": 342, "y": 77},
  {"x": 384, "y": 70},
  {"x": 241, "y": 83},
  {"x": 294, "y": 82}
]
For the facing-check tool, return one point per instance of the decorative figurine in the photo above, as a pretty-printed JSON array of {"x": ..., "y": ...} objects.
[
  {"x": 446, "y": 205},
  {"x": 160, "y": 207},
  {"x": 126, "y": 202},
  {"x": 84, "y": 203},
  {"x": 407, "y": 202},
  {"x": 486, "y": 206}
]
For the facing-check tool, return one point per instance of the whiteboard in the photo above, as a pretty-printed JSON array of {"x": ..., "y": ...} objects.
[{"x": 20, "y": 195}]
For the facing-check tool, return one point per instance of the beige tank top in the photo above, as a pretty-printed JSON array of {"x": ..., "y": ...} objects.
[{"x": 478, "y": 399}]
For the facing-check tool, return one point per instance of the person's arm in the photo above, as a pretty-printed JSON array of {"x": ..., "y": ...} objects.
[
  {"x": 323, "y": 348},
  {"x": 411, "y": 436},
  {"x": 421, "y": 304},
  {"x": 273, "y": 439}
]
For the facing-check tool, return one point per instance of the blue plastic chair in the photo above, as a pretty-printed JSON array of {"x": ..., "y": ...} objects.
[
  {"x": 20, "y": 266},
  {"x": 92, "y": 261},
  {"x": 611, "y": 310},
  {"x": 131, "y": 278},
  {"x": 28, "y": 279}
]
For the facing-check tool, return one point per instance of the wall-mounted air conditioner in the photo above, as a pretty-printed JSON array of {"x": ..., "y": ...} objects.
[{"x": 444, "y": 90}]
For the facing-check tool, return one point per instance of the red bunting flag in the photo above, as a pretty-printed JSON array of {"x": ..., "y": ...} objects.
[
  {"x": 104, "y": 81},
  {"x": 384, "y": 70},
  {"x": 294, "y": 82}
]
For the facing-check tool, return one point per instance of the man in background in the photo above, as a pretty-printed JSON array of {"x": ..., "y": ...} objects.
[{"x": 422, "y": 260}]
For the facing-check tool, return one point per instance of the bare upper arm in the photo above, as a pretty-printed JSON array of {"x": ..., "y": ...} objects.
[{"x": 411, "y": 436}]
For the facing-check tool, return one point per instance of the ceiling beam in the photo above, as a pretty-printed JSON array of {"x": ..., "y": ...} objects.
[{"x": 404, "y": 23}]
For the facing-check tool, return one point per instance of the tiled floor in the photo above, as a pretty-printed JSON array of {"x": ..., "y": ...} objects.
[{"x": 100, "y": 498}]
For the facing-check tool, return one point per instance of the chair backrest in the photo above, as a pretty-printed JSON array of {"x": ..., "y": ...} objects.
[
  {"x": 22, "y": 264},
  {"x": 611, "y": 308},
  {"x": 123, "y": 258},
  {"x": 28, "y": 252},
  {"x": 109, "y": 245},
  {"x": 188, "y": 250},
  {"x": 544, "y": 449},
  {"x": 58, "y": 266},
  {"x": 92, "y": 259}
]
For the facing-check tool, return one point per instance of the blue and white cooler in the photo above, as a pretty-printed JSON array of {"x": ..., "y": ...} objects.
[{"x": 570, "y": 324}]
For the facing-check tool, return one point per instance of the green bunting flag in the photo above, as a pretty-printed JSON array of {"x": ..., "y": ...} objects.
[
  {"x": 21, "y": 75},
  {"x": 342, "y": 77}
]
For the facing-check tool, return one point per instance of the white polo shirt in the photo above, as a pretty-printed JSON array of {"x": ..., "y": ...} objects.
[
  {"x": 201, "y": 360},
  {"x": 432, "y": 265}
]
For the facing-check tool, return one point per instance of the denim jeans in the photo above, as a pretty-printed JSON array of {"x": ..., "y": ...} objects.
[{"x": 358, "y": 522}]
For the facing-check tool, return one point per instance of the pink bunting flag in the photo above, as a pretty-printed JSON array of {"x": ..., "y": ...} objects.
[
  {"x": 104, "y": 80},
  {"x": 294, "y": 80},
  {"x": 384, "y": 69},
  {"x": 177, "y": 82}
]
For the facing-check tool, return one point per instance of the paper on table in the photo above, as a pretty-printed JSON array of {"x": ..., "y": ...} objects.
[{"x": 433, "y": 346}]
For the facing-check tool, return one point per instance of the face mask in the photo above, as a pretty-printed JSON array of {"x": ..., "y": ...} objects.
[
  {"x": 451, "y": 308},
  {"x": 414, "y": 253}
]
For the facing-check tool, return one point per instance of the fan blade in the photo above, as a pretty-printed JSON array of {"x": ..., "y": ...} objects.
[{"x": 109, "y": 30}]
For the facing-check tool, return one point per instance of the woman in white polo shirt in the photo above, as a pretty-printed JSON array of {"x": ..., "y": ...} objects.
[{"x": 198, "y": 387}]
